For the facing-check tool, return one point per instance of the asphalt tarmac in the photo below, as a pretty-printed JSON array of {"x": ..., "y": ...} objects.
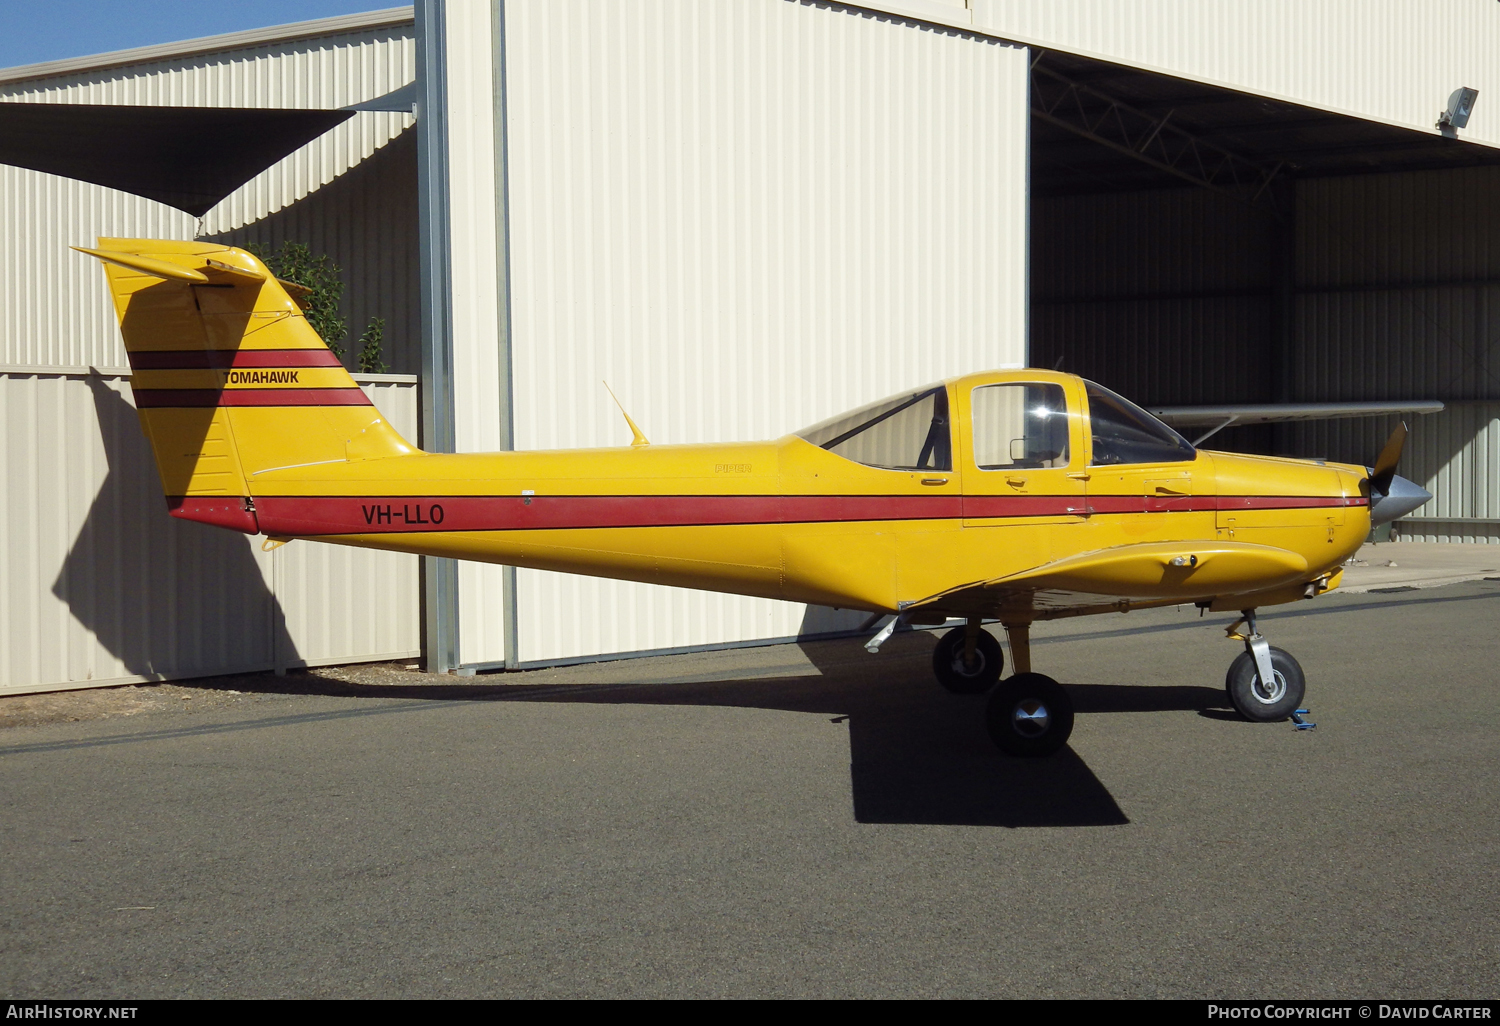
[{"x": 789, "y": 821}]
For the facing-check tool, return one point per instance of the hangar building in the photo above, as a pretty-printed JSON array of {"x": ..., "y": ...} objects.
[{"x": 747, "y": 216}]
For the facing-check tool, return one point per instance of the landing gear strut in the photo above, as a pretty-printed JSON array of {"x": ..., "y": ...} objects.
[
  {"x": 968, "y": 659},
  {"x": 1027, "y": 714},
  {"x": 1264, "y": 684}
]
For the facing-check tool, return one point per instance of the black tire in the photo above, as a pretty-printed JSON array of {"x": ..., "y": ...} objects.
[
  {"x": 948, "y": 663},
  {"x": 1266, "y": 705},
  {"x": 1030, "y": 714}
]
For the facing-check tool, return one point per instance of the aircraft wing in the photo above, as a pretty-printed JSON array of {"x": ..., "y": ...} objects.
[
  {"x": 1220, "y": 417},
  {"x": 1143, "y": 574}
]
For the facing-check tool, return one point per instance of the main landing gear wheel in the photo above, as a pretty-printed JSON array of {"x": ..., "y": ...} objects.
[
  {"x": 1261, "y": 702},
  {"x": 1029, "y": 714},
  {"x": 981, "y": 673}
]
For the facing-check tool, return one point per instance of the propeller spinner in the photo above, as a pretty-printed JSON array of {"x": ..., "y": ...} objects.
[{"x": 1392, "y": 496}]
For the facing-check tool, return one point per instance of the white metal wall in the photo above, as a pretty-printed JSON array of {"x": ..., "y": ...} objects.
[
  {"x": 1457, "y": 455},
  {"x": 52, "y": 312},
  {"x": 746, "y": 216},
  {"x": 1385, "y": 60},
  {"x": 471, "y": 36},
  {"x": 98, "y": 585}
]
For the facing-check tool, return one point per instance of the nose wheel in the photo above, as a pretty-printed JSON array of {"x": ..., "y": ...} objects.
[{"x": 1264, "y": 684}]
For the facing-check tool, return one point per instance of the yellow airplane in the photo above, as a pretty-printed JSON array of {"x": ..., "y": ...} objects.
[{"x": 1014, "y": 496}]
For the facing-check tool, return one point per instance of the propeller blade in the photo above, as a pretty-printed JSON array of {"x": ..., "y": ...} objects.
[{"x": 1385, "y": 465}]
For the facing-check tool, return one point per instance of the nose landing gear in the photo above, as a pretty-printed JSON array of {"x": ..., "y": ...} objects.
[{"x": 1264, "y": 684}]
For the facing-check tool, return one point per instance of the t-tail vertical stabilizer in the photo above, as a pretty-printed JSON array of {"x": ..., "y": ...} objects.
[{"x": 230, "y": 379}]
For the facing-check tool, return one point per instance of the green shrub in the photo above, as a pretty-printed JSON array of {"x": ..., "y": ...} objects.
[
  {"x": 294, "y": 262},
  {"x": 369, "y": 347}
]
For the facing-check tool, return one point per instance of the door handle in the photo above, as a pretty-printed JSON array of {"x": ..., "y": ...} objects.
[
  {"x": 1016, "y": 482},
  {"x": 934, "y": 480}
]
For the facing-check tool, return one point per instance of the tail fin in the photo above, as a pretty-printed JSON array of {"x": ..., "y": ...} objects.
[{"x": 229, "y": 378}]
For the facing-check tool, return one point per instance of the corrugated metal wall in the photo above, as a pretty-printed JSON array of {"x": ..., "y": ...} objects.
[
  {"x": 480, "y": 391},
  {"x": 98, "y": 585},
  {"x": 1168, "y": 297},
  {"x": 1398, "y": 296},
  {"x": 747, "y": 216},
  {"x": 1386, "y": 60},
  {"x": 1158, "y": 295},
  {"x": 1397, "y": 276},
  {"x": 52, "y": 312},
  {"x": 366, "y": 222},
  {"x": 324, "y": 72},
  {"x": 1457, "y": 454}
]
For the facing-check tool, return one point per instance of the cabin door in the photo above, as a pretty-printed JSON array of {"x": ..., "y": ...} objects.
[{"x": 1023, "y": 479}]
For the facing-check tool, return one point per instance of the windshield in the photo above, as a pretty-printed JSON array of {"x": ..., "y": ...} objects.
[
  {"x": 905, "y": 432},
  {"x": 1125, "y": 433}
]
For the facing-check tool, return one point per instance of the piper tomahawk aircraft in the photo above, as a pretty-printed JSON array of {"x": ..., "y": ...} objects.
[{"x": 1010, "y": 495}]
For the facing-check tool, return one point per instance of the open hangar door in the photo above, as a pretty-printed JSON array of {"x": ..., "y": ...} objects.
[{"x": 1190, "y": 244}]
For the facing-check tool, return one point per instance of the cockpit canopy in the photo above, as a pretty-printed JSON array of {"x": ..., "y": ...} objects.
[
  {"x": 905, "y": 432},
  {"x": 1015, "y": 424}
]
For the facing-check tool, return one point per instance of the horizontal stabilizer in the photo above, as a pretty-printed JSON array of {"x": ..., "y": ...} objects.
[{"x": 146, "y": 265}]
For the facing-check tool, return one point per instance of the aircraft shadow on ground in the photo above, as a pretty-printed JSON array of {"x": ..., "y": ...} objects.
[
  {"x": 918, "y": 754},
  {"x": 151, "y": 588}
]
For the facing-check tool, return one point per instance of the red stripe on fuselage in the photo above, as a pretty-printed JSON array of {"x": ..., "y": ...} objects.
[
  {"x": 308, "y": 516},
  {"x": 164, "y": 398},
  {"x": 329, "y": 515},
  {"x": 201, "y": 359}
]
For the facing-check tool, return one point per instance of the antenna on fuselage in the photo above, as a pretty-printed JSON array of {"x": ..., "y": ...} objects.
[{"x": 638, "y": 437}]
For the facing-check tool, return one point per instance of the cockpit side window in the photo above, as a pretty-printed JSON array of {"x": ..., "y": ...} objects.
[
  {"x": 1125, "y": 433},
  {"x": 905, "y": 432},
  {"x": 1019, "y": 426}
]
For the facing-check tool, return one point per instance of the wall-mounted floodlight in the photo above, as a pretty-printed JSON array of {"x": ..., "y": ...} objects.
[{"x": 1460, "y": 105}]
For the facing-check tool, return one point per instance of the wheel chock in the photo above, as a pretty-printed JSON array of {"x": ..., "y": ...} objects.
[{"x": 1299, "y": 722}]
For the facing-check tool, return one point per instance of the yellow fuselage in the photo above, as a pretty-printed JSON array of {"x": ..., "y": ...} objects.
[{"x": 789, "y": 520}]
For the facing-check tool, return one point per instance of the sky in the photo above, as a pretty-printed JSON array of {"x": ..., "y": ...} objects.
[{"x": 48, "y": 30}]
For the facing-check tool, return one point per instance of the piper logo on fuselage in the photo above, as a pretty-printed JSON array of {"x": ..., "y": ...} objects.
[
  {"x": 259, "y": 377},
  {"x": 405, "y": 515}
]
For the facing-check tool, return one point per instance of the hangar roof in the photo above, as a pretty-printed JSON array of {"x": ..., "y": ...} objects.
[
  {"x": 209, "y": 44},
  {"x": 1102, "y": 127}
]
